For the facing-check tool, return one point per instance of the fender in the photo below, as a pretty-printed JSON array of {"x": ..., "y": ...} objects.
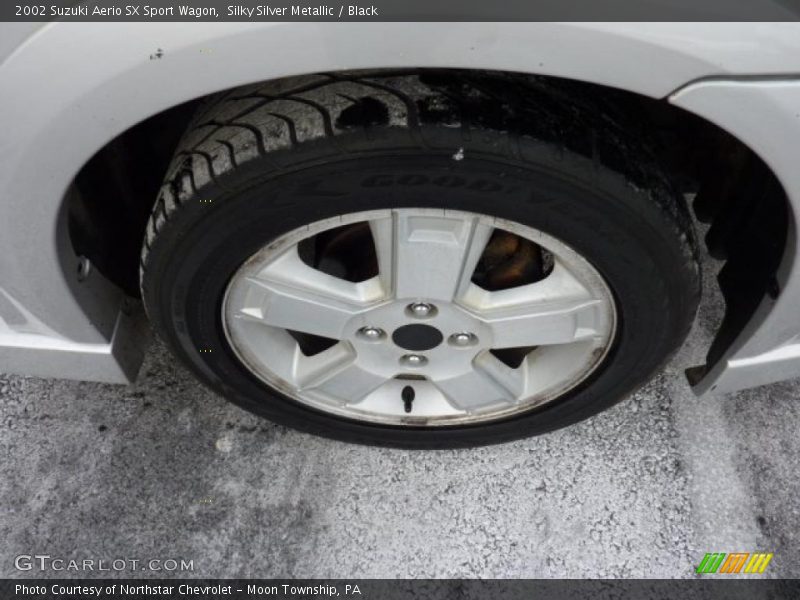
[
  {"x": 766, "y": 113},
  {"x": 58, "y": 321}
]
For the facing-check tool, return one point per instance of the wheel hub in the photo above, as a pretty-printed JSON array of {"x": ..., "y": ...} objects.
[
  {"x": 389, "y": 357},
  {"x": 417, "y": 337}
]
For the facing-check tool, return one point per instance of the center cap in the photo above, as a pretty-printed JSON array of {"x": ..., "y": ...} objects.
[{"x": 417, "y": 337}]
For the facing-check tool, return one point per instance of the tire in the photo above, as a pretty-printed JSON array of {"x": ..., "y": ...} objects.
[{"x": 260, "y": 161}]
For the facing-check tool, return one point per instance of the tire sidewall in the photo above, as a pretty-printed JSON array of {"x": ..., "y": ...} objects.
[{"x": 618, "y": 229}]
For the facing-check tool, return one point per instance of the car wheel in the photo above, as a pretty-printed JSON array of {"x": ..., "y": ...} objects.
[{"x": 418, "y": 259}]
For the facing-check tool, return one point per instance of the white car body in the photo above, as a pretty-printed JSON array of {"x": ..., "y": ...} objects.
[{"x": 67, "y": 89}]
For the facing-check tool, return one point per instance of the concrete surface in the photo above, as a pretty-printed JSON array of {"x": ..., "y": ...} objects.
[{"x": 165, "y": 469}]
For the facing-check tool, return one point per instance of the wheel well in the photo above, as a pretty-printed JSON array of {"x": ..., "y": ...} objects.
[
  {"x": 115, "y": 191},
  {"x": 736, "y": 193}
]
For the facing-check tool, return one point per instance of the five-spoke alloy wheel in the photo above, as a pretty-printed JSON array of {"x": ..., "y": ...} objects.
[{"x": 420, "y": 323}]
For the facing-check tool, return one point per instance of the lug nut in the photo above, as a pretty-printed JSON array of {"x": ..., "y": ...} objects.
[
  {"x": 371, "y": 334},
  {"x": 413, "y": 360},
  {"x": 421, "y": 309},
  {"x": 463, "y": 339}
]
